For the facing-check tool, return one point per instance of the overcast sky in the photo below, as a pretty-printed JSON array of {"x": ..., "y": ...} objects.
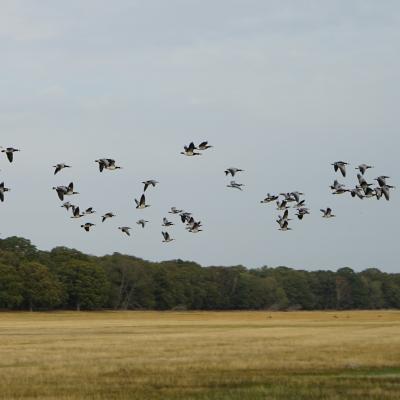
[{"x": 281, "y": 89}]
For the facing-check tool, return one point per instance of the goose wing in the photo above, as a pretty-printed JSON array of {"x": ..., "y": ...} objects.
[{"x": 10, "y": 155}]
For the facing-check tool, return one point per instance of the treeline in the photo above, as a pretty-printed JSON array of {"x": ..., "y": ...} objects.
[{"x": 64, "y": 278}]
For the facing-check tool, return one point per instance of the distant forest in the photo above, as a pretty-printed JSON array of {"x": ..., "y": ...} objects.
[{"x": 66, "y": 279}]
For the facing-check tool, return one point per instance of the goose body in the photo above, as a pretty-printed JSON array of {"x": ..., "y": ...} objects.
[
  {"x": 149, "y": 182},
  {"x": 87, "y": 226},
  {"x": 235, "y": 185},
  {"x": 269, "y": 198},
  {"x": 327, "y": 213},
  {"x": 190, "y": 150},
  {"x": 167, "y": 238},
  {"x": 59, "y": 167},
  {"x": 166, "y": 222},
  {"x": 232, "y": 171},
  {"x": 107, "y": 215},
  {"x": 140, "y": 204},
  {"x": 341, "y": 166},
  {"x": 3, "y": 189},
  {"x": 142, "y": 222},
  {"x": 89, "y": 211},
  {"x": 125, "y": 229},
  {"x": 76, "y": 213},
  {"x": 363, "y": 168},
  {"x": 10, "y": 153},
  {"x": 174, "y": 210},
  {"x": 204, "y": 146}
]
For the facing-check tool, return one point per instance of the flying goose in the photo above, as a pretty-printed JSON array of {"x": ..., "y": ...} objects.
[
  {"x": 67, "y": 205},
  {"x": 142, "y": 222},
  {"x": 288, "y": 197},
  {"x": 300, "y": 204},
  {"x": 235, "y": 185},
  {"x": 185, "y": 216},
  {"x": 232, "y": 171},
  {"x": 301, "y": 212},
  {"x": 204, "y": 146},
  {"x": 327, "y": 213},
  {"x": 282, "y": 205},
  {"x": 269, "y": 198},
  {"x": 385, "y": 191},
  {"x": 10, "y": 153},
  {"x": 125, "y": 229},
  {"x": 3, "y": 189},
  {"x": 195, "y": 227},
  {"x": 59, "y": 167},
  {"x": 363, "y": 167},
  {"x": 70, "y": 190},
  {"x": 149, "y": 182},
  {"x": 106, "y": 216},
  {"x": 284, "y": 226},
  {"x": 89, "y": 211},
  {"x": 167, "y": 238},
  {"x": 87, "y": 226},
  {"x": 76, "y": 213},
  {"x": 107, "y": 163},
  {"x": 382, "y": 180},
  {"x": 166, "y": 222},
  {"x": 340, "y": 165},
  {"x": 336, "y": 185},
  {"x": 174, "y": 210},
  {"x": 61, "y": 191},
  {"x": 190, "y": 150},
  {"x": 357, "y": 192},
  {"x": 142, "y": 203},
  {"x": 297, "y": 195},
  {"x": 340, "y": 191}
]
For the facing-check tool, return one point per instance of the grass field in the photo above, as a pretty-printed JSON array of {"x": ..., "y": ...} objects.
[{"x": 200, "y": 355}]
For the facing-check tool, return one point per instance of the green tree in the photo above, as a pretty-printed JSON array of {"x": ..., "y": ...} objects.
[{"x": 10, "y": 287}]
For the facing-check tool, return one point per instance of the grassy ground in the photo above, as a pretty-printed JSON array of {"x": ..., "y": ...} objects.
[{"x": 200, "y": 355}]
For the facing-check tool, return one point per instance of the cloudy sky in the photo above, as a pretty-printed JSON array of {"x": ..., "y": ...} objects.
[{"x": 279, "y": 88}]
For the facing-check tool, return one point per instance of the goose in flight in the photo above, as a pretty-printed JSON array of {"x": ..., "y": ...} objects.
[
  {"x": 167, "y": 238},
  {"x": 300, "y": 204},
  {"x": 10, "y": 153},
  {"x": 190, "y": 150},
  {"x": 235, "y": 185},
  {"x": 87, "y": 226},
  {"x": 67, "y": 205},
  {"x": 301, "y": 212},
  {"x": 166, "y": 222},
  {"x": 288, "y": 197},
  {"x": 61, "y": 191},
  {"x": 336, "y": 185},
  {"x": 341, "y": 166},
  {"x": 185, "y": 216},
  {"x": 59, "y": 167},
  {"x": 142, "y": 222},
  {"x": 106, "y": 216},
  {"x": 327, "y": 213},
  {"x": 284, "y": 226},
  {"x": 142, "y": 203},
  {"x": 89, "y": 211},
  {"x": 282, "y": 205},
  {"x": 3, "y": 189},
  {"x": 125, "y": 229},
  {"x": 149, "y": 182},
  {"x": 204, "y": 146},
  {"x": 381, "y": 180},
  {"x": 385, "y": 191},
  {"x": 174, "y": 210},
  {"x": 363, "y": 167},
  {"x": 76, "y": 213},
  {"x": 357, "y": 192},
  {"x": 107, "y": 163},
  {"x": 296, "y": 195},
  {"x": 340, "y": 191},
  {"x": 195, "y": 227},
  {"x": 269, "y": 198},
  {"x": 233, "y": 171}
]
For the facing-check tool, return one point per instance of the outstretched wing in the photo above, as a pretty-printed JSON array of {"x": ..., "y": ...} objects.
[{"x": 10, "y": 155}]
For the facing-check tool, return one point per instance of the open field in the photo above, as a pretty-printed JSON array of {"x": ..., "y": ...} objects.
[{"x": 200, "y": 355}]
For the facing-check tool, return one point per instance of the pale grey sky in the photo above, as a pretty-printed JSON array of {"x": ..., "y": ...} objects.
[{"x": 280, "y": 88}]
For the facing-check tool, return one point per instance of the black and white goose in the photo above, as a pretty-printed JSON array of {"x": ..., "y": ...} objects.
[
  {"x": 235, "y": 185},
  {"x": 281, "y": 205},
  {"x": 341, "y": 166},
  {"x": 76, "y": 213},
  {"x": 142, "y": 222},
  {"x": 166, "y": 222},
  {"x": 87, "y": 226},
  {"x": 174, "y": 210},
  {"x": 381, "y": 180},
  {"x": 301, "y": 212},
  {"x": 385, "y": 191},
  {"x": 167, "y": 238},
  {"x": 61, "y": 191},
  {"x": 336, "y": 185},
  {"x": 107, "y": 163},
  {"x": 59, "y": 167},
  {"x": 296, "y": 195},
  {"x": 125, "y": 229},
  {"x": 3, "y": 189},
  {"x": 67, "y": 205},
  {"x": 195, "y": 227},
  {"x": 150, "y": 182},
  {"x": 269, "y": 198},
  {"x": 363, "y": 168},
  {"x": 89, "y": 211},
  {"x": 204, "y": 146},
  {"x": 190, "y": 150},
  {"x": 142, "y": 203},
  {"x": 185, "y": 216},
  {"x": 233, "y": 171},
  {"x": 357, "y": 191},
  {"x": 10, "y": 153},
  {"x": 284, "y": 226},
  {"x": 327, "y": 213},
  {"x": 107, "y": 215}
]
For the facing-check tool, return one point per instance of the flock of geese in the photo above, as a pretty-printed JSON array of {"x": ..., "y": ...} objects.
[{"x": 283, "y": 200}]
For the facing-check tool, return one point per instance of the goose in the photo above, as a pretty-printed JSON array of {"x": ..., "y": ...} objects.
[
  {"x": 369, "y": 192},
  {"x": 76, "y": 213},
  {"x": 269, "y": 198},
  {"x": 142, "y": 222},
  {"x": 285, "y": 226},
  {"x": 107, "y": 215},
  {"x": 191, "y": 223},
  {"x": 195, "y": 228},
  {"x": 340, "y": 165},
  {"x": 10, "y": 153},
  {"x": 378, "y": 192},
  {"x": 288, "y": 197},
  {"x": 149, "y": 182},
  {"x": 67, "y": 205},
  {"x": 142, "y": 203},
  {"x": 300, "y": 204},
  {"x": 185, "y": 216},
  {"x": 204, "y": 146},
  {"x": 89, "y": 211},
  {"x": 235, "y": 185},
  {"x": 282, "y": 205},
  {"x": 61, "y": 191},
  {"x": 340, "y": 191},
  {"x": 297, "y": 195},
  {"x": 174, "y": 210},
  {"x": 363, "y": 183},
  {"x": 190, "y": 150},
  {"x": 59, "y": 167},
  {"x": 87, "y": 226},
  {"x": 363, "y": 167},
  {"x": 336, "y": 185},
  {"x": 327, "y": 213},
  {"x": 282, "y": 218},
  {"x": 107, "y": 163},
  {"x": 102, "y": 163},
  {"x": 3, "y": 189},
  {"x": 382, "y": 180},
  {"x": 166, "y": 222},
  {"x": 357, "y": 192},
  {"x": 232, "y": 171},
  {"x": 385, "y": 191},
  {"x": 301, "y": 212},
  {"x": 167, "y": 238},
  {"x": 125, "y": 229},
  {"x": 70, "y": 190}
]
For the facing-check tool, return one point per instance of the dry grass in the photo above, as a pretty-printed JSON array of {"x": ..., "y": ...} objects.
[{"x": 200, "y": 355}]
